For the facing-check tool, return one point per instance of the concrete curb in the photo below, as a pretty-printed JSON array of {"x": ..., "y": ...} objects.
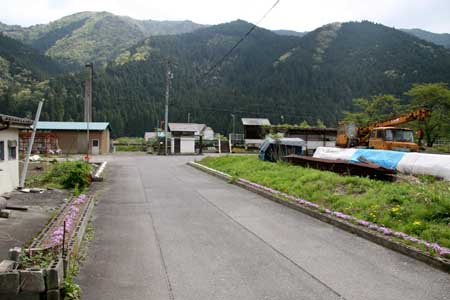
[
  {"x": 98, "y": 174},
  {"x": 385, "y": 241}
]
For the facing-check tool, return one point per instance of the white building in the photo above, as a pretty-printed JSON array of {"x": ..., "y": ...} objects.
[
  {"x": 184, "y": 135},
  {"x": 9, "y": 151}
]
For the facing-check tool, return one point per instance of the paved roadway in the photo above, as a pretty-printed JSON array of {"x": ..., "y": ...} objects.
[{"x": 164, "y": 230}]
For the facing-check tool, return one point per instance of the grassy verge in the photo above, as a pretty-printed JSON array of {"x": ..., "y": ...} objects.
[{"x": 420, "y": 208}]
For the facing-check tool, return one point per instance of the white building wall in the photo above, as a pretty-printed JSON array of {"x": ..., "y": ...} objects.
[
  {"x": 187, "y": 145},
  {"x": 9, "y": 169}
]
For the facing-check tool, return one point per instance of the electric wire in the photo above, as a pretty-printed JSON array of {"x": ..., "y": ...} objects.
[{"x": 223, "y": 58}]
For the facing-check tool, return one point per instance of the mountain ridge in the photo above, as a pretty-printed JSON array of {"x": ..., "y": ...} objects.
[{"x": 92, "y": 36}]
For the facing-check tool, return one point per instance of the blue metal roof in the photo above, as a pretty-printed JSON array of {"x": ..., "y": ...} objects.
[{"x": 94, "y": 126}]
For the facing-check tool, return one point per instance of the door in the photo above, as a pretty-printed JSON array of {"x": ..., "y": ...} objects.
[{"x": 95, "y": 147}]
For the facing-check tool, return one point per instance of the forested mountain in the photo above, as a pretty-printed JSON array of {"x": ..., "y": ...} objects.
[
  {"x": 442, "y": 39},
  {"x": 284, "y": 78},
  {"x": 23, "y": 57},
  {"x": 92, "y": 36},
  {"x": 24, "y": 76},
  {"x": 290, "y": 32}
]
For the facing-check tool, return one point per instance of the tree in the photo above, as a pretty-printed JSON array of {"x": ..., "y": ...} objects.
[
  {"x": 320, "y": 124},
  {"x": 376, "y": 108},
  {"x": 304, "y": 124},
  {"x": 436, "y": 97}
]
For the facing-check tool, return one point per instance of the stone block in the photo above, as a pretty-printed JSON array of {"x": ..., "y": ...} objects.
[
  {"x": 7, "y": 265},
  {"x": 21, "y": 296},
  {"x": 32, "y": 281},
  {"x": 53, "y": 294},
  {"x": 5, "y": 213},
  {"x": 14, "y": 253},
  {"x": 9, "y": 282},
  {"x": 55, "y": 274},
  {"x": 2, "y": 203}
]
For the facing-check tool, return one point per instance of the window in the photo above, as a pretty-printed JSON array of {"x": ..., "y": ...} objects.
[
  {"x": 95, "y": 143},
  {"x": 12, "y": 150},
  {"x": 2, "y": 150}
]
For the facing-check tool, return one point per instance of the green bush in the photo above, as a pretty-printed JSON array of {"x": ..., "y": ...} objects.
[
  {"x": 71, "y": 174},
  {"x": 66, "y": 174}
]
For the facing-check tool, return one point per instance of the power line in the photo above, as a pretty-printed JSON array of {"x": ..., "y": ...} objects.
[{"x": 221, "y": 60}]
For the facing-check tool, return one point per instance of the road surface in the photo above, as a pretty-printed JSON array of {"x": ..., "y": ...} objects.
[{"x": 164, "y": 230}]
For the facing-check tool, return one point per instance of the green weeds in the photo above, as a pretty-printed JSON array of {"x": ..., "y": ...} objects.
[{"x": 420, "y": 208}]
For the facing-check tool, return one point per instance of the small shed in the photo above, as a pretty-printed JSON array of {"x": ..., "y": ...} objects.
[
  {"x": 254, "y": 131},
  {"x": 9, "y": 155},
  {"x": 184, "y": 135},
  {"x": 72, "y": 136},
  {"x": 276, "y": 149}
]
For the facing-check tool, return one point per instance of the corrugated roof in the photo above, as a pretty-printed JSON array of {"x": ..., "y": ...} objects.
[
  {"x": 255, "y": 121},
  {"x": 94, "y": 126},
  {"x": 186, "y": 127},
  {"x": 15, "y": 120}
]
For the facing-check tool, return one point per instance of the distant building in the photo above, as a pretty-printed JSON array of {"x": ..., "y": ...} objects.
[
  {"x": 208, "y": 133},
  {"x": 184, "y": 135},
  {"x": 71, "y": 137},
  {"x": 254, "y": 132},
  {"x": 314, "y": 137},
  {"x": 9, "y": 154},
  {"x": 150, "y": 135}
]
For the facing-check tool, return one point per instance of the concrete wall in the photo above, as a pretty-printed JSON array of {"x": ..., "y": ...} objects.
[{"x": 9, "y": 169}]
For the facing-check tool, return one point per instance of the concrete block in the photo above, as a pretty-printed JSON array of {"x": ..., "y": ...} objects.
[
  {"x": 14, "y": 254},
  {"x": 53, "y": 294},
  {"x": 55, "y": 275},
  {"x": 21, "y": 296},
  {"x": 7, "y": 265},
  {"x": 9, "y": 282},
  {"x": 5, "y": 213},
  {"x": 32, "y": 281},
  {"x": 2, "y": 203}
]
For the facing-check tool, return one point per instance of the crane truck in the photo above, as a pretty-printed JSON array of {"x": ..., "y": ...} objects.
[{"x": 382, "y": 135}]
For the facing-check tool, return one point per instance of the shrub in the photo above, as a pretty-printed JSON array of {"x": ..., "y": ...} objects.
[{"x": 71, "y": 174}]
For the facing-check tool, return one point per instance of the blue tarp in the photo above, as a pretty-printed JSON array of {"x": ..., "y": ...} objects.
[{"x": 385, "y": 158}]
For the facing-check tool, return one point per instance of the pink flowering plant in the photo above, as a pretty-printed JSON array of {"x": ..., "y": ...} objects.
[
  {"x": 415, "y": 213},
  {"x": 71, "y": 215}
]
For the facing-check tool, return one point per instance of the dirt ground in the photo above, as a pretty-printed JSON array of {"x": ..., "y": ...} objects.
[{"x": 22, "y": 226}]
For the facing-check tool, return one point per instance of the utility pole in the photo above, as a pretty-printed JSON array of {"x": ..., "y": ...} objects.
[
  {"x": 166, "y": 117},
  {"x": 234, "y": 127},
  {"x": 88, "y": 103},
  {"x": 30, "y": 145}
]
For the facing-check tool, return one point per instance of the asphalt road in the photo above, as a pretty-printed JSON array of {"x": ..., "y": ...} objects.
[{"x": 164, "y": 230}]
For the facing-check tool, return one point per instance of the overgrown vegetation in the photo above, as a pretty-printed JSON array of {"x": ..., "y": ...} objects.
[
  {"x": 420, "y": 207},
  {"x": 67, "y": 174},
  {"x": 39, "y": 259}
]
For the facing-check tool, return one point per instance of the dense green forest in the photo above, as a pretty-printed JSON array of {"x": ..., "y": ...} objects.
[
  {"x": 286, "y": 78},
  {"x": 92, "y": 36}
]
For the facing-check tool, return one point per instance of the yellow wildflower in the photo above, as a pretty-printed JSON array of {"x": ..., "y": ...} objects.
[{"x": 417, "y": 223}]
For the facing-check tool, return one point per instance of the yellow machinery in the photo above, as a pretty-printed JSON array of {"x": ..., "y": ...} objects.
[{"x": 382, "y": 135}]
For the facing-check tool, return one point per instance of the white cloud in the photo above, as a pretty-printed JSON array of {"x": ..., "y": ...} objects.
[{"x": 301, "y": 15}]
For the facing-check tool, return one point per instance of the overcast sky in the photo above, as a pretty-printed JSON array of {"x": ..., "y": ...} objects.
[{"x": 299, "y": 15}]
